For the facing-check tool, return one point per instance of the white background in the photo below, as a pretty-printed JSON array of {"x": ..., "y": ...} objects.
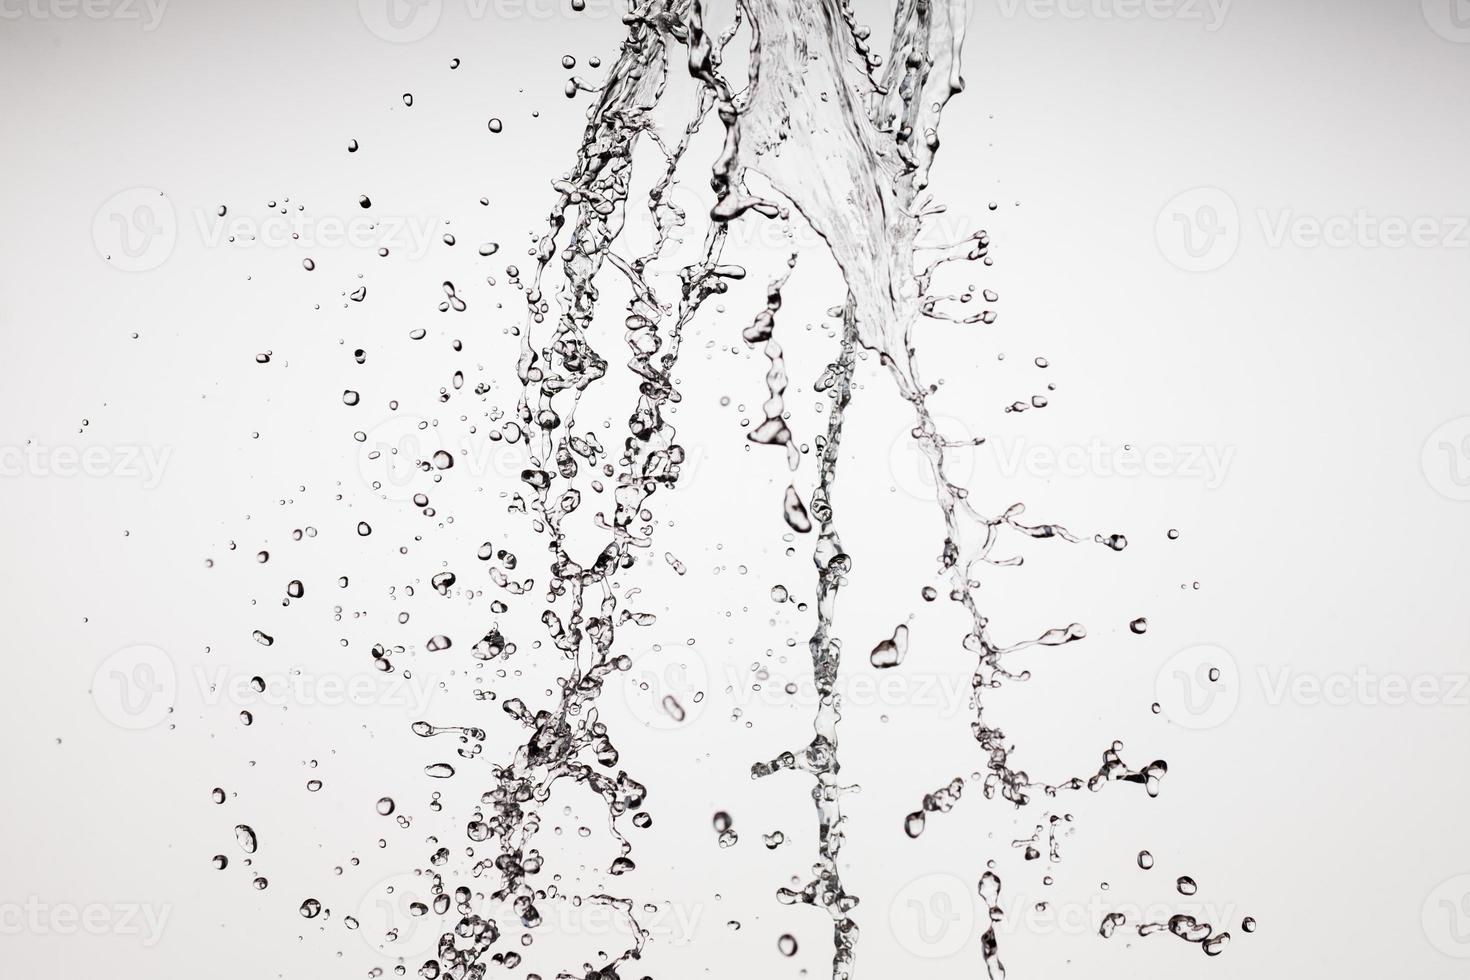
[{"x": 1327, "y": 548}]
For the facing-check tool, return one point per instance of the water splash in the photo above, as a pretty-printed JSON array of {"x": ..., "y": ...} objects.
[{"x": 842, "y": 140}]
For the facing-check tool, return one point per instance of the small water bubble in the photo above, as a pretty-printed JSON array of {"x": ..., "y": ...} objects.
[
  {"x": 386, "y": 806},
  {"x": 1186, "y": 885},
  {"x": 1145, "y": 860},
  {"x": 495, "y": 125},
  {"x": 787, "y": 945}
]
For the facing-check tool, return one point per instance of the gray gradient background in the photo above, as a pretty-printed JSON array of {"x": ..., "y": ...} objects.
[{"x": 1331, "y": 376}]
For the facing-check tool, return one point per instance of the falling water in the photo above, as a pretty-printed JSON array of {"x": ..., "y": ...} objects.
[{"x": 843, "y": 139}]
